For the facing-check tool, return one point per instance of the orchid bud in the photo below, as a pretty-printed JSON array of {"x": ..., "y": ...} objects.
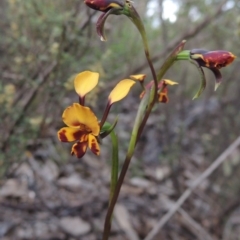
[
  {"x": 104, "y": 5},
  {"x": 212, "y": 59}
]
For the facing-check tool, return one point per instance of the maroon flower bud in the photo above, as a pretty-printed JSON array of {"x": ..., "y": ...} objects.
[
  {"x": 107, "y": 7},
  {"x": 104, "y": 5},
  {"x": 116, "y": 7},
  {"x": 212, "y": 59}
]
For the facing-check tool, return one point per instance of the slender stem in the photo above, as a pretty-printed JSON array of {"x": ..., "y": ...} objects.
[
  {"x": 105, "y": 114},
  {"x": 183, "y": 55},
  {"x": 82, "y": 100},
  {"x": 170, "y": 60},
  {"x": 114, "y": 171},
  {"x": 107, "y": 225},
  {"x": 164, "y": 68},
  {"x": 146, "y": 49},
  {"x": 138, "y": 23},
  {"x": 132, "y": 144},
  {"x": 115, "y": 162}
]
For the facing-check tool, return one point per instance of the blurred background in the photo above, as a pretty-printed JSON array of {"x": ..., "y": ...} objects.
[{"x": 45, "y": 193}]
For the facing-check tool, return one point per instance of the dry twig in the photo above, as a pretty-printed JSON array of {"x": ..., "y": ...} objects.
[{"x": 193, "y": 226}]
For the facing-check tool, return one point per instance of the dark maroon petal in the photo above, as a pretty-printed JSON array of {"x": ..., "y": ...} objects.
[
  {"x": 198, "y": 51},
  {"x": 218, "y": 59},
  {"x": 62, "y": 136},
  {"x": 212, "y": 59},
  {"x": 93, "y": 145},
  {"x": 104, "y": 5},
  {"x": 163, "y": 97},
  {"x": 218, "y": 77},
  {"x": 101, "y": 23},
  {"x": 79, "y": 149}
]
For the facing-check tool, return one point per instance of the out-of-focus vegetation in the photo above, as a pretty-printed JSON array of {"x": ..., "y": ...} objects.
[{"x": 43, "y": 44}]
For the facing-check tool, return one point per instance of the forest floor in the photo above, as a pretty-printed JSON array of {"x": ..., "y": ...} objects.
[{"x": 42, "y": 199}]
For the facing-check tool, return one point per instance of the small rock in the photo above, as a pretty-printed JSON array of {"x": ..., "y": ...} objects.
[
  {"x": 74, "y": 182},
  {"x": 25, "y": 172},
  {"x": 162, "y": 172},
  {"x": 5, "y": 227},
  {"x": 14, "y": 188},
  {"x": 74, "y": 226},
  {"x": 140, "y": 182},
  {"x": 50, "y": 171},
  {"x": 123, "y": 217}
]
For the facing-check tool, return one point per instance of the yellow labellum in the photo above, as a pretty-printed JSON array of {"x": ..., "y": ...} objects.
[
  {"x": 82, "y": 118},
  {"x": 85, "y": 82},
  {"x": 120, "y": 91}
]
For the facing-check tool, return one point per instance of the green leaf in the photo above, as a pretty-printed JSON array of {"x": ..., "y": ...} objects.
[{"x": 107, "y": 128}]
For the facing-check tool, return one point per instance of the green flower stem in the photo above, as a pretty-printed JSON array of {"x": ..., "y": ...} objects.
[
  {"x": 181, "y": 58},
  {"x": 135, "y": 18},
  {"x": 115, "y": 161},
  {"x": 183, "y": 55},
  {"x": 132, "y": 144},
  {"x": 114, "y": 171},
  {"x": 164, "y": 68},
  {"x": 147, "y": 54},
  {"x": 138, "y": 120},
  {"x": 147, "y": 114},
  {"x": 170, "y": 60}
]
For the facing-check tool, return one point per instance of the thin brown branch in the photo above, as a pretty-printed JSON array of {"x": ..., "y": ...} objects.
[
  {"x": 42, "y": 79},
  {"x": 193, "y": 226}
]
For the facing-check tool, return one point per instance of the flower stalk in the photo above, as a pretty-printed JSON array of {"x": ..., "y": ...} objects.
[{"x": 132, "y": 144}]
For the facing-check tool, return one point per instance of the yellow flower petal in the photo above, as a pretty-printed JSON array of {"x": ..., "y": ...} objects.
[
  {"x": 93, "y": 145},
  {"x": 169, "y": 82},
  {"x": 70, "y": 117},
  {"x": 138, "y": 77},
  {"x": 79, "y": 149},
  {"x": 88, "y": 118},
  {"x": 85, "y": 81},
  {"x": 68, "y": 134},
  {"x": 120, "y": 91},
  {"x": 78, "y": 116}
]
